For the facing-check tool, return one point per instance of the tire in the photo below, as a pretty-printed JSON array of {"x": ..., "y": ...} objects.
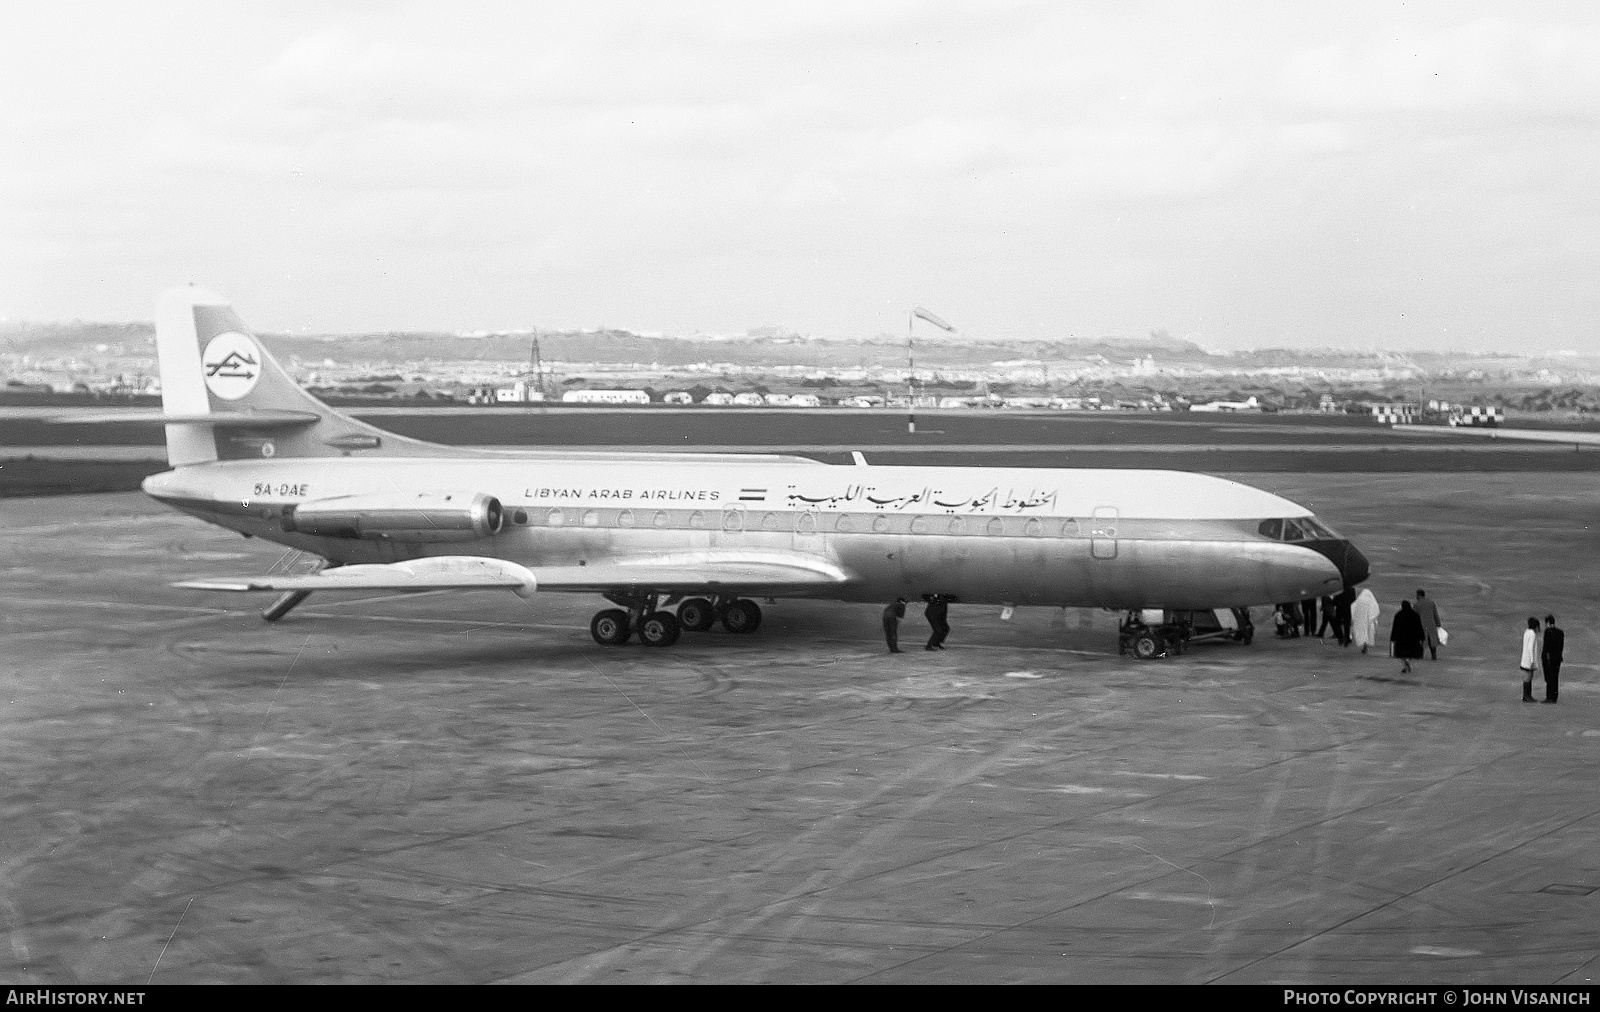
[
  {"x": 742, "y": 616},
  {"x": 659, "y": 629},
  {"x": 1146, "y": 646},
  {"x": 610, "y": 627},
  {"x": 696, "y": 615}
]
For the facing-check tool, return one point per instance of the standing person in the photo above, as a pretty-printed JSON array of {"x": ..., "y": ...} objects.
[
  {"x": 1308, "y": 616},
  {"x": 936, "y": 611},
  {"x": 1428, "y": 612},
  {"x": 1406, "y": 636},
  {"x": 1329, "y": 619},
  {"x": 1343, "y": 622},
  {"x": 1364, "y": 620},
  {"x": 891, "y": 623},
  {"x": 1555, "y": 642},
  {"x": 1530, "y": 651}
]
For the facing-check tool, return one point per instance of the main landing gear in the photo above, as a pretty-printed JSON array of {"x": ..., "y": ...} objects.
[{"x": 643, "y": 614}]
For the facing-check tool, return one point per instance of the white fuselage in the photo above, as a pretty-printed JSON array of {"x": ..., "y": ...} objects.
[{"x": 1065, "y": 537}]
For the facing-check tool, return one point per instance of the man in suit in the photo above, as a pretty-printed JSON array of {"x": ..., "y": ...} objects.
[
  {"x": 1342, "y": 618},
  {"x": 891, "y": 623},
  {"x": 1329, "y": 619},
  {"x": 1429, "y": 613},
  {"x": 1550, "y": 657},
  {"x": 938, "y": 608}
]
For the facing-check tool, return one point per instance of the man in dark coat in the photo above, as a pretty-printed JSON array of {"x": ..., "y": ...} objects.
[
  {"x": 1343, "y": 620},
  {"x": 1329, "y": 618},
  {"x": 1406, "y": 636},
  {"x": 937, "y": 609},
  {"x": 891, "y": 623},
  {"x": 1308, "y": 616},
  {"x": 1555, "y": 642},
  {"x": 1428, "y": 612}
]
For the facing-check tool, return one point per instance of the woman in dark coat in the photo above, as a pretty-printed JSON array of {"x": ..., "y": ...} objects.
[{"x": 1406, "y": 637}]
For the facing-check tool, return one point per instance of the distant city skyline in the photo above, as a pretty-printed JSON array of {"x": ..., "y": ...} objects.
[{"x": 1376, "y": 175}]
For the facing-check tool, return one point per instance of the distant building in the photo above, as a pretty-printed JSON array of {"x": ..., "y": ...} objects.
[
  {"x": 778, "y": 400},
  {"x": 805, "y": 401},
  {"x": 605, "y": 397},
  {"x": 749, "y": 400},
  {"x": 718, "y": 399},
  {"x": 861, "y": 401},
  {"x": 678, "y": 397},
  {"x": 1476, "y": 415},
  {"x": 518, "y": 393},
  {"x": 1067, "y": 403},
  {"x": 1393, "y": 412}
]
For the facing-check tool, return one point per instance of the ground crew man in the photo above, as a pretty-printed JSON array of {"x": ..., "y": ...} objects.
[
  {"x": 891, "y": 623},
  {"x": 937, "y": 609}
]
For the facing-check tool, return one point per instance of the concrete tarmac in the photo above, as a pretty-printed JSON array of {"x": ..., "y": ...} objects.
[{"x": 465, "y": 788}]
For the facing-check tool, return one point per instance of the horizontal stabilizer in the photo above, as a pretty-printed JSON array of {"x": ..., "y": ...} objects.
[
  {"x": 693, "y": 572},
  {"x": 447, "y": 572},
  {"x": 251, "y": 419}
]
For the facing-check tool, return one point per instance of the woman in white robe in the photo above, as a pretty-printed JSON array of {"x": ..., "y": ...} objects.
[{"x": 1364, "y": 620}]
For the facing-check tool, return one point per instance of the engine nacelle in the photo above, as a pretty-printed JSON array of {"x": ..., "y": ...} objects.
[{"x": 424, "y": 517}]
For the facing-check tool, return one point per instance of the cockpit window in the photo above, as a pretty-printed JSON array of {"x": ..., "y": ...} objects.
[{"x": 1295, "y": 529}]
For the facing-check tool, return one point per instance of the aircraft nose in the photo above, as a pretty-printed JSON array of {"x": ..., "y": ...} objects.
[
  {"x": 1352, "y": 564},
  {"x": 1346, "y": 558}
]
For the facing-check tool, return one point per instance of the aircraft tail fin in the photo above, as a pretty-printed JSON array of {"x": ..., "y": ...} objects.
[{"x": 228, "y": 399}]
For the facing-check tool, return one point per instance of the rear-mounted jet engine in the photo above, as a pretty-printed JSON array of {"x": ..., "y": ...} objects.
[{"x": 429, "y": 517}]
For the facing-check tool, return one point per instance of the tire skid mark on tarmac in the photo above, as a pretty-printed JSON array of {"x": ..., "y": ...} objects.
[
  {"x": 1426, "y": 786},
  {"x": 1282, "y": 761},
  {"x": 711, "y": 918},
  {"x": 1408, "y": 894},
  {"x": 699, "y": 922}
]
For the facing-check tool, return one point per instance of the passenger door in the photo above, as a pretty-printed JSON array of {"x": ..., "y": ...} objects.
[{"x": 1103, "y": 532}]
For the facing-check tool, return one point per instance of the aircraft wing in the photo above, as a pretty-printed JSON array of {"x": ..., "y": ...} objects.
[
  {"x": 252, "y": 418},
  {"x": 769, "y": 573},
  {"x": 449, "y": 572},
  {"x": 1533, "y": 435}
]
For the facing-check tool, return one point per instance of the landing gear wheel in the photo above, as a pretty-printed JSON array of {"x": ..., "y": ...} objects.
[
  {"x": 610, "y": 627},
  {"x": 742, "y": 616},
  {"x": 1146, "y": 646},
  {"x": 659, "y": 629},
  {"x": 696, "y": 614}
]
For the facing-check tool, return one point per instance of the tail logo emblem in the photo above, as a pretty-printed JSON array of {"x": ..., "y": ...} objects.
[{"x": 232, "y": 365}]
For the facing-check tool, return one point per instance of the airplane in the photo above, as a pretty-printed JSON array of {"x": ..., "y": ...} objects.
[
  {"x": 1246, "y": 405},
  {"x": 252, "y": 452}
]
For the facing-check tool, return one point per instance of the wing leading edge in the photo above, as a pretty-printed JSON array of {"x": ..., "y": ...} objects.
[{"x": 686, "y": 573}]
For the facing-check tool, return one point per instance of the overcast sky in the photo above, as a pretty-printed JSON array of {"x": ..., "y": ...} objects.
[{"x": 1354, "y": 174}]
